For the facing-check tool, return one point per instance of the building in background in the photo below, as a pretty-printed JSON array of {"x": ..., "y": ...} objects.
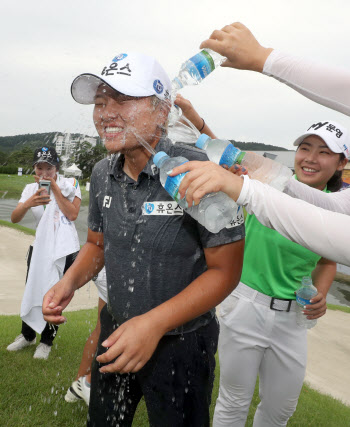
[{"x": 67, "y": 144}]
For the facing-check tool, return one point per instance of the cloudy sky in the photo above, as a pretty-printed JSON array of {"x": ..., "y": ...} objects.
[{"x": 46, "y": 44}]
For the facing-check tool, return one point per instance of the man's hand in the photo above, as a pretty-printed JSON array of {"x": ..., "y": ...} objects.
[
  {"x": 55, "y": 301},
  {"x": 240, "y": 47},
  {"x": 318, "y": 307},
  {"x": 132, "y": 345}
]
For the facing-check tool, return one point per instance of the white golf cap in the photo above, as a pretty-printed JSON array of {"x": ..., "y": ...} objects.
[
  {"x": 333, "y": 134},
  {"x": 132, "y": 74}
]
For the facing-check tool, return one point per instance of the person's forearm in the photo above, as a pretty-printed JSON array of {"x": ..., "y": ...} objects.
[
  {"x": 19, "y": 213},
  {"x": 323, "y": 276},
  {"x": 323, "y": 232},
  {"x": 205, "y": 292},
  {"x": 67, "y": 208},
  {"x": 328, "y": 86},
  {"x": 87, "y": 265},
  {"x": 336, "y": 202}
]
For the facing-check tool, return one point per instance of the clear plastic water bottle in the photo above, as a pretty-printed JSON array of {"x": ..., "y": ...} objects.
[
  {"x": 215, "y": 210},
  {"x": 263, "y": 169},
  {"x": 303, "y": 295},
  {"x": 195, "y": 69}
]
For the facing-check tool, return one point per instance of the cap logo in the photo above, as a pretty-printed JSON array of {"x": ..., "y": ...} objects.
[
  {"x": 113, "y": 69},
  {"x": 331, "y": 128},
  {"x": 158, "y": 86},
  {"x": 317, "y": 126},
  {"x": 119, "y": 57},
  {"x": 44, "y": 149}
]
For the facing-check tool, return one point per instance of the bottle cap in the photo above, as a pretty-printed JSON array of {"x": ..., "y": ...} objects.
[
  {"x": 306, "y": 281},
  {"x": 158, "y": 156},
  {"x": 202, "y": 140}
]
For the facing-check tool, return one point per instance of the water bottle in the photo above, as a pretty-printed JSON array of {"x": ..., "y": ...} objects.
[
  {"x": 306, "y": 292},
  {"x": 263, "y": 169},
  {"x": 215, "y": 210},
  {"x": 195, "y": 69}
]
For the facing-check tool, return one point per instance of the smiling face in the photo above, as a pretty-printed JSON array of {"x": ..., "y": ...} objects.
[
  {"x": 122, "y": 120},
  {"x": 43, "y": 169},
  {"x": 315, "y": 163}
]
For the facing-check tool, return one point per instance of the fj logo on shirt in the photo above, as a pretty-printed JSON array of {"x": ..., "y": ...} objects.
[
  {"x": 107, "y": 201},
  {"x": 161, "y": 208}
]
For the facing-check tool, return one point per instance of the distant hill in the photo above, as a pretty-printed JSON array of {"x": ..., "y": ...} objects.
[
  {"x": 29, "y": 140},
  {"x": 256, "y": 146},
  {"x": 34, "y": 140}
]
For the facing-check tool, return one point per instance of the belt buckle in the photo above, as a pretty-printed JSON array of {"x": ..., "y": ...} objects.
[{"x": 280, "y": 299}]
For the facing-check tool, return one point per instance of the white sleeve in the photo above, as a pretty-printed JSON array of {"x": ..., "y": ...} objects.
[
  {"x": 336, "y": 202},
  {"x": 27, "y": 192},
  {"x": 326, "y": 85},
  {"x": 323, "y": 232}
]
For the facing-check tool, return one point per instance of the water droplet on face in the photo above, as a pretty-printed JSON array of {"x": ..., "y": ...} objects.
[
  {"x": 186, "y": 390},
  {"x": 173, "y": 399},
  {"x": 173, "y": 372}
]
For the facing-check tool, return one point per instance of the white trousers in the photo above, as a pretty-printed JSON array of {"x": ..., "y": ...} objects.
[{"x": 255, "y": 340}]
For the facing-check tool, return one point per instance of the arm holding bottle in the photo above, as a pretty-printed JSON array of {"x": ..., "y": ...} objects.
[
  {"x": 324, "y": 84},
  {"x": 323, "y": 232}
]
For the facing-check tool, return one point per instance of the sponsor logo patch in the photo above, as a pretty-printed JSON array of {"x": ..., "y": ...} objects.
[{"x": 162, "y": 208}]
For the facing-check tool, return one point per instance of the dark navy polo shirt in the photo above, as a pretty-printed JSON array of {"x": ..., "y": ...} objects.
[{"x": 153, "y": 250}]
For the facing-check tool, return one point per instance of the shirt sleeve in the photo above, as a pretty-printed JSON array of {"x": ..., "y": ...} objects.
[
  {"x": 336, "y": 202},
  {"x": 323, "y": 232},
  {"x": 26, "y": 193},
  {"x": 326, "y": 85}
]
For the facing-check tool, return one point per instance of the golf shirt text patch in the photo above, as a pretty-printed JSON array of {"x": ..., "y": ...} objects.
[{"x": 162, "y": 208}]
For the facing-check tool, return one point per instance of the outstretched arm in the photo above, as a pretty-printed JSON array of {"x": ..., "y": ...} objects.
[
  {"x": 324, "y": 84},
  {"x": 323, "y": 232}
]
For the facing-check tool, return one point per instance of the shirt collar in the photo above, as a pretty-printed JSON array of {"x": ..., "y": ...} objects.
[{"x": 116, "y": 162}]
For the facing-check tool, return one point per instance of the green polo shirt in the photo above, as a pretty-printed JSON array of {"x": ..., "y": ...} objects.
[{"x": 273, "y": 265}]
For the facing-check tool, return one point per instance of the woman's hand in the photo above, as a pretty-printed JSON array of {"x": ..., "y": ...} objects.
[
  {"x": 239, "y": 46},
  {"x": 37, "y": 199},
  {"x": 204, "y": 178}
]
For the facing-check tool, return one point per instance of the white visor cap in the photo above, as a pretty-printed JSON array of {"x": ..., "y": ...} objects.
[
  {"x": 333, "y": 134},
  {"x": 132, "y": 74}
]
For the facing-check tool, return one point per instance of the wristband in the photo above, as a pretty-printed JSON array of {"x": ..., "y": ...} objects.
[{"x": 200, "y": 130}]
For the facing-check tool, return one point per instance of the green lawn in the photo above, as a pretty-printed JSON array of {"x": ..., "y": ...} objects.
[
  {"x": 32, "y": 391},
  {"x": 11, "y": 187}
]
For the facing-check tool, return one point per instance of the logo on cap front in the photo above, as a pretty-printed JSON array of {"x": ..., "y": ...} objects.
[
  {"x": 44, "y": 149},
  {"x": 119, "y": 57},
  {"x": 158, "y": 86}
]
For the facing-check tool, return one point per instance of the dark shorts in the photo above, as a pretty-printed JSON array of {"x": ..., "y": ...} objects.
[{"x": 176, "y": 382}]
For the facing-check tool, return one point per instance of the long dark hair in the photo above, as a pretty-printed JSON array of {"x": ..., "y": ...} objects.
[{"x": 335, "y": 183}]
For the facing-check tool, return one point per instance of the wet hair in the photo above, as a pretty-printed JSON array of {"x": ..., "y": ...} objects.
[{"x": 336, "y": 181}]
